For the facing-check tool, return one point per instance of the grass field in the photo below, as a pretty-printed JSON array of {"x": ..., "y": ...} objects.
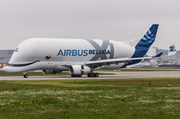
[{"x": 88, "y": 99}]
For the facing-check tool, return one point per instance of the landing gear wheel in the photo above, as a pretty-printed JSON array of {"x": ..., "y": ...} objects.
[
  {"x": 89, "y": 75},
  {"x": 25, "y": 76},
  {"x": 74, "y": 75},
  {"x": 96, "y": 75},
  {"x": 93, "y": 75},
  {"x": 79, "y": 75}
]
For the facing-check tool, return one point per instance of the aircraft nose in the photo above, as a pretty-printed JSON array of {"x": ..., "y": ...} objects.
[{"x": 6, "y": 69}]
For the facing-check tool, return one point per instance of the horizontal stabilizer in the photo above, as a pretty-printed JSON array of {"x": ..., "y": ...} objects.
[{"x": 158, "y": 55}]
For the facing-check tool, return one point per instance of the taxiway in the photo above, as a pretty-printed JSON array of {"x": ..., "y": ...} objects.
[{"x": 118, "y": 75}]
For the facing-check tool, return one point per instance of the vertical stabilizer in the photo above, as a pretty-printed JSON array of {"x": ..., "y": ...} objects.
[
  {"x": 145, "y": 42},
  {"x": 172, "y": 49}
]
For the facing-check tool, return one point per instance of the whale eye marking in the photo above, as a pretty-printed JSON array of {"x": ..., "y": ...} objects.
[{"x": 48, "y": 57}]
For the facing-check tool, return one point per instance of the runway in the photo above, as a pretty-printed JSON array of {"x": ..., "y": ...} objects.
[{"x": 118, "y": 75}]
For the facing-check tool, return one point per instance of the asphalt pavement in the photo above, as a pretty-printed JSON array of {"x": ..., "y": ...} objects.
[{"x": 118, "y": 75}]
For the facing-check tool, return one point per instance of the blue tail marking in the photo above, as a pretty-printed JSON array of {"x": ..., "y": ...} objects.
[
  {"x": 143, "y": 46},
  {"x": 146, "y": 41}
]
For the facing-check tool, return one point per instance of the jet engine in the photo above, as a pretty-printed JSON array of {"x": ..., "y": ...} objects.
[
  {"x": 78, "y": 70},
  {"x": 50, "y": 71}
]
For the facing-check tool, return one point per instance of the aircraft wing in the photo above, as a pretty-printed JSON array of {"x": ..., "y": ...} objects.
[
  {"x": 114, "y": 61},
  {"x": 99, "y": 63}
]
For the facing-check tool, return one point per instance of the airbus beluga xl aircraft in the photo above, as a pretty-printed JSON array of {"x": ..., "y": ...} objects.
[{"x": 79, "y": 56}]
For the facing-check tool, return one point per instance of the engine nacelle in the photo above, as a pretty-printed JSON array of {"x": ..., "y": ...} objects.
[
  {"x": 79, "y": 69},
  {"x": 50, "y": 71}
]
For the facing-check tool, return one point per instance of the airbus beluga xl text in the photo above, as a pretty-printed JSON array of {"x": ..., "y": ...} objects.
[{"x": 79, "y": 56}]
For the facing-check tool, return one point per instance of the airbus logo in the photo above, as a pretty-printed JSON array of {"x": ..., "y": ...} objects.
[
  {"x": 105, "y": 45},
  {"x": 74, "y": 52},
  {"x": 98, "y": 51},
  {"x": 69, "y": 52},
  {"x": 172, "y": 48}
]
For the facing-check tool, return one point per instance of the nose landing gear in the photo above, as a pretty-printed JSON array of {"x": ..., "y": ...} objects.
[{"x": 25, "y": 75}]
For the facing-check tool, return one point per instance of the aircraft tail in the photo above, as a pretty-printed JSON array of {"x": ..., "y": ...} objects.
[
  {"x": 172, "y": 50},
  {"x": 142, "y": 44}
]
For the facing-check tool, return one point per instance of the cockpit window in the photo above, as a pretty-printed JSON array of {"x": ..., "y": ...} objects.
[{"x": 12, "y": 65}]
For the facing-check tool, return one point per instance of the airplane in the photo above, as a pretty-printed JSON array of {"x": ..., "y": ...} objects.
[
  {"x": 79, "y": 56},
  {"x": 172, "y": 49}
]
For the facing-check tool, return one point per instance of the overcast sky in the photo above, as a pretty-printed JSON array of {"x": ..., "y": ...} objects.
[{"x": 120, "y": 20}]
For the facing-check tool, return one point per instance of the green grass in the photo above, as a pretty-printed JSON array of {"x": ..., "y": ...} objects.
[
  {"x": 2, "y": 73},
  {"x": 99, "y": 99}
]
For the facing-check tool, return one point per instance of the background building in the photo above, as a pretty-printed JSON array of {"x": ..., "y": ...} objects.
[
  {"x": 5, "y": 56},
  {"x": 168, "y": 61}
]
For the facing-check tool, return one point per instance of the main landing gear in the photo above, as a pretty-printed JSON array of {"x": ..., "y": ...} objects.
[
  {"x": 88, "y": 75},
  {"x": 25, "y": 75},
  {"x": 93, "y": 75},
  {"x": 75, "y": 75}
]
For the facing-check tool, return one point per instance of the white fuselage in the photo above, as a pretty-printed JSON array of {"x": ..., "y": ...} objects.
[
  {"x": 79, "y": 56},
  {"x": 56, "y": 54}
]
